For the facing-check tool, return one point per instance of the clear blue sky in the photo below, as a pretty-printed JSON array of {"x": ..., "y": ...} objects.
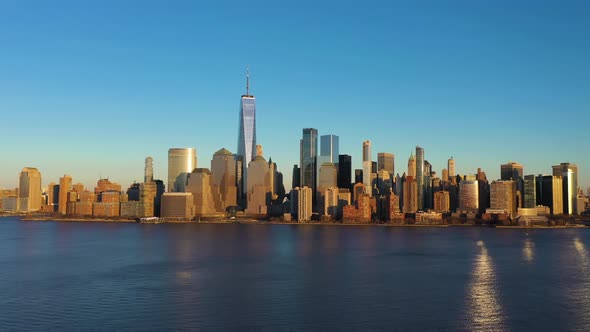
[{"x": 91, "y": 88}]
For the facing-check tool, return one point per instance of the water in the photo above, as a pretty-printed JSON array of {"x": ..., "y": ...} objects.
[{"x": 106, "y": 276}]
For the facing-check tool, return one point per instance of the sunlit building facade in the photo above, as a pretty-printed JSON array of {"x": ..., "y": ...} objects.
[
  {"x": 469, "y": 196},
  {"x": 181, "y": 162}
]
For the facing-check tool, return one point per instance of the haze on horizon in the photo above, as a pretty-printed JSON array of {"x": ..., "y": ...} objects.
[{"x": 91, "y": 89}]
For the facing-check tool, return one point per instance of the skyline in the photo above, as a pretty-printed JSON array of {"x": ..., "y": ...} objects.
[{"x": 120, "y": 97}]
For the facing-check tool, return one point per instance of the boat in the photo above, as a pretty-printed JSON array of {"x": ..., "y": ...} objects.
[{"x": 149, "y": 220}]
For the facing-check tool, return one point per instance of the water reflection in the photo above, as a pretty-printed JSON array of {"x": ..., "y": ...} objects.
[
  {"x": 484, "y": 310},
  {"x": 528, "y": 250},
  {"x": 581, "y": 294}
]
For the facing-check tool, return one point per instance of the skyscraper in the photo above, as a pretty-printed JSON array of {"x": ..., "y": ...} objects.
[
  {"x": 420, "y": 176},
  {"x": 247, "y": 133},
  {"x": 469, "y": 196},
  {"x": 344, "y": 171},
  {"x": 503, "y": 196},
  {"x": 181, "y": 162},
  {"x": 569, "y": 174},
  {"x": 308, "y": 159},
  {"x": 386, "y": 161},
  {"x": 65, "y": 185},
  {"x": 223, "y": 179},
  {"x": 530, "y": 191},
  {"x": 366, "y": 150},
  {"x": 329, "y": 150},
  {"x": 412, "y": 166},
  {"x": 296, "y": 178},
  {"x": 451, "y": 167},
  {"x": 29, "y": 189},
  {"x": 511, "y": 171},
  {"x": 148, "y": 170}
]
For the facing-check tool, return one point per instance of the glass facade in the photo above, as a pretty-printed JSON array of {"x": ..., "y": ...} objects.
[
  {"x": 308, "y": 156},
  {"x": 420, "y": 176},
  {"x": 247, "y": 134},
  {"x": 329, "y": 149}
]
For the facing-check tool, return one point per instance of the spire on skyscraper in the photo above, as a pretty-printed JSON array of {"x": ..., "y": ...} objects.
[{"x": 247, "y": 80}]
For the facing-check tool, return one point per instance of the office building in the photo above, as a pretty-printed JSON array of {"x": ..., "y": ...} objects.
[
  {"x": 445, "y": 174},
  {"x": 308, "y": 159},
  {"x": 410, "y": 197},
  {"x": 469, "y": 196},
  {"x": 301, "y": 203},
  {"x": 223, "y": 176},
  {"x": 569, "y": 174},
  {"x": 329, "y": 150},
  {"x": 177, "y": 206},
  {"x": 199, "y": 184},
  {"x": 451, "y": 168},
  {"x": 503, "y": 196},
  {"x": 442, "y": 201},
  {"x": 412, "y": 166},
  {"x": 65, "y": 185},
  {"x": 386, "y": 161},
  {"x": 511, "y": 171},
  {"x": 530, "y": 191},
  {"x": 181, "y": 162},
  {"x": 296, "y": 178},
  {"x": 247, "y": 131},
  {"x": 358, "y": 176},
  {"x": 259, "y": 187},
  {"x": 344, "y": 171},
  {"x": 29, "y": 190},
  {"x": 420, "y": 176}
]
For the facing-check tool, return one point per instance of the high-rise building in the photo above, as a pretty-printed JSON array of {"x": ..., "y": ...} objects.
[
  {"x": 367, "y": 181},
  {"x": 301, "y": 203},
  {"x": 550, "y": 193},
  {"x": 358, "y": 176},
  {"x": 344, "y": 171},
  {"x": 148, "y": 170},
  {"x": 29, "y": 190},
  {"x": 366, "y": 150},
  {"x": 329, "y": 150},
  {"x": 445, "y": 174},
  {"x": 469, "y": 196},
  {"x": 451, "y": 167},
  {"x": 412, "y": 166},
  {"x": 569, "y": 174},
  {"x": 503, "y": 196},
  {"x": 259, "y": 187},
  {"x": 511, "y": 171},
  {"x": 384, "y": 182},
  {"x": 410, "y": 197},
  {"x": 223, "y": 174},
  {"x": 65, "y": 185},
  {"x": 420, "y": 176},
  {"x": 530, "y": 191},
  {"x": 308, "y": 159},
  {"x": 386, "y": 161},
  {"x": 181, "y": 162},
  {"x": 296, "y": 179},
  {"x": 199, "y": 184},
  {"x": 442, "y": 201},
  {"x": 53, "y": 196},
  {"x": 328, "y": 176},
  {"x": 247, "y": 133}
]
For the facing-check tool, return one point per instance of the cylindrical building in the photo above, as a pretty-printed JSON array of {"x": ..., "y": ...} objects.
[{"x": 181, "y": 162}]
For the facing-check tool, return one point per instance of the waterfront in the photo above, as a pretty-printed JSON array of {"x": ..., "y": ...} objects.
[{"x": 113, "y": 276}]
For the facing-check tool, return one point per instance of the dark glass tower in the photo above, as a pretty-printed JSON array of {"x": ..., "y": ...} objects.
[
  {"x": 247, "y": 134},
  {"x": 420, "y": 176},
  {"x": 344, "y": 171},
  {"x": 309, "y": 158}
]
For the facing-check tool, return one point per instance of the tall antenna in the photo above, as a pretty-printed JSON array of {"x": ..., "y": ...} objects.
[{"x": 247, "y": 80}]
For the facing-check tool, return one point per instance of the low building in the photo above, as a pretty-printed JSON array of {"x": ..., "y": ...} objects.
[
  {"x": 177, "y": 206},
  {"x": 130, "y": 209}
]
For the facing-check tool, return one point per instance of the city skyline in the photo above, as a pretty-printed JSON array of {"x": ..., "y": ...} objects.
[{"x": 499, "y": 104}]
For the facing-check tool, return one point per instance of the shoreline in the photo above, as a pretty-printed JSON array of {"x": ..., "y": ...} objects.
[{"x": 259, "y": 222}]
